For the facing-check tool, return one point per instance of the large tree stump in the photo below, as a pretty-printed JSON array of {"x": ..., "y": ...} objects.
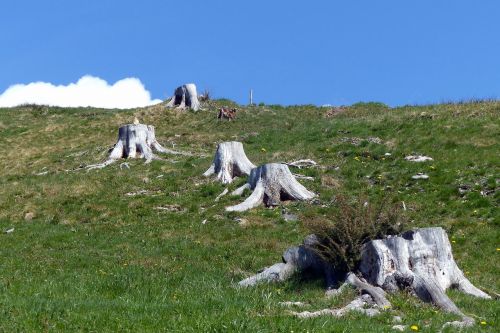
[
  {"x": 419, "y": 260},
  {"x": 271, "y": 183},
  {"x": 230, "y": 161},
  {"x": 134, "y": 141},
  {"x": 185, "y": 96}
]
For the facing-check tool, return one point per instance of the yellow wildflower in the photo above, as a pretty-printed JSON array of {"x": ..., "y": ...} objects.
[
  {"x": 483, "y": 323},
  {"x": 263, "y": 149},
  {"x": 414, "y": 327}
]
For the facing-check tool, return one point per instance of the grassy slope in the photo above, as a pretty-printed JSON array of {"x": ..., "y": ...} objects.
[{"x": 94, "y": 259}]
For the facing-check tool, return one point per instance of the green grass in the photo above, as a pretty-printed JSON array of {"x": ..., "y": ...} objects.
[{"x": 96, "y": 260}]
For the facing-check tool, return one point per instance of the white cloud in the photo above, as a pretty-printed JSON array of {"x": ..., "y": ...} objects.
[{"x": 88, "y": 91}]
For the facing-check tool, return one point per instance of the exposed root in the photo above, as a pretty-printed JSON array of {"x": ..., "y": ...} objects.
[
  {"x": 274, "y": 273},
  {"x": 465, "y": 322},
  {"x": 377, "y": 293},
  {"x": 418, "y": 158},
  {"x": 359, "y": 304},
  {"x": 142, "y": 192},
  {"x": 221, "y": 195},
  {"x": 295, "y": 259},
  {"x": 299, "y": 176},
  {"x": 306, "y": 163},
  {"x": 100, "y": 165},
  {"x": 290, "y": 304},
  {"x": 171, "y": 208},
  {"x": 329, "y": 293},
  {"x": 241, "y": 189}
]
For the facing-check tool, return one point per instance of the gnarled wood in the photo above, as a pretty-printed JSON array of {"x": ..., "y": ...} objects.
[
  {"x": 134, "y": 141},
  {"x": 295, "y": 259},
  {"x": 306, "y": 163},
  {"x": 420, "y": 260},
  {"x": 359, "y": 304},
  {"x": 271, "y": 183},
  {"x": 185, "y": 96},
  {"x": 377, "y": 293},
  {"x": 230, "y": 161}
]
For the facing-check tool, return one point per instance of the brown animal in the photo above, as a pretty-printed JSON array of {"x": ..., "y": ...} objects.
[
  {"x": 226, "y": 113},
  {"x": 335, "y": 111}
]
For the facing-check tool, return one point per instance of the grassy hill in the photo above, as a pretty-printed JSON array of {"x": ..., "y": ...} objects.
[{"x": 85, "y": 256}]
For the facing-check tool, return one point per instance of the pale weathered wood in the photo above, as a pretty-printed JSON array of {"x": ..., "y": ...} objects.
[
  {"x": 134, "y": 141},
  {"x": 363, "y": 304},
  {"x": 306, "y": 163},
  {"x": 420, "y": 260},
  {"x": 295, "y": 259},
  {"x": 230, "y": 161},
  {"x": 271, "y": 183},
  {"x": 377, "y": 293},
  {"x": 185, "y": 96}
]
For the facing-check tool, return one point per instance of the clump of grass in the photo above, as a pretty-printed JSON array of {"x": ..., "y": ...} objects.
[
  {"x": 353, "y": 224},
  {"x": 205, "y": 96}
]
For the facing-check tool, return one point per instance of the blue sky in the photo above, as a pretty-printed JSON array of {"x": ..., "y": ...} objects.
[{"x": 289, "y": 52}]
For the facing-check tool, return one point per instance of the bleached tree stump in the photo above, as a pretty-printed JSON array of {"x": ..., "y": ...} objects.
[
  {"x": 420, "y": 260},
  {"x": 135, "y": 141},
  {"x": 230, "y": 161},
  {"x": 185, "y": 96},
  {"x": 271, "y": 183}
]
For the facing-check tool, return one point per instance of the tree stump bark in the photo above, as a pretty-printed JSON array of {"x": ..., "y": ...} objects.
[
  {"x": 185, "y": 96},
  {"x": 420, "y": 260},
  {"x": 134, "y": 141},
  {"x": 271, "y": 183},
  {"x": 230, "y": 161}
]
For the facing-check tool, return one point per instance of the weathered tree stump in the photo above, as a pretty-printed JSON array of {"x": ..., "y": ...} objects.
[
  {"x": 420, "y": 260},
  {"x": 135, "y": 141},
  {"x": 230, "y": 161},
  {"x": 271, "y": 183},
  {"x": 185, "y": 96}
]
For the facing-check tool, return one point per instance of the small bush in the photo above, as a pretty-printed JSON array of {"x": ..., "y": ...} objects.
[{"x": 352, "y": 225}]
